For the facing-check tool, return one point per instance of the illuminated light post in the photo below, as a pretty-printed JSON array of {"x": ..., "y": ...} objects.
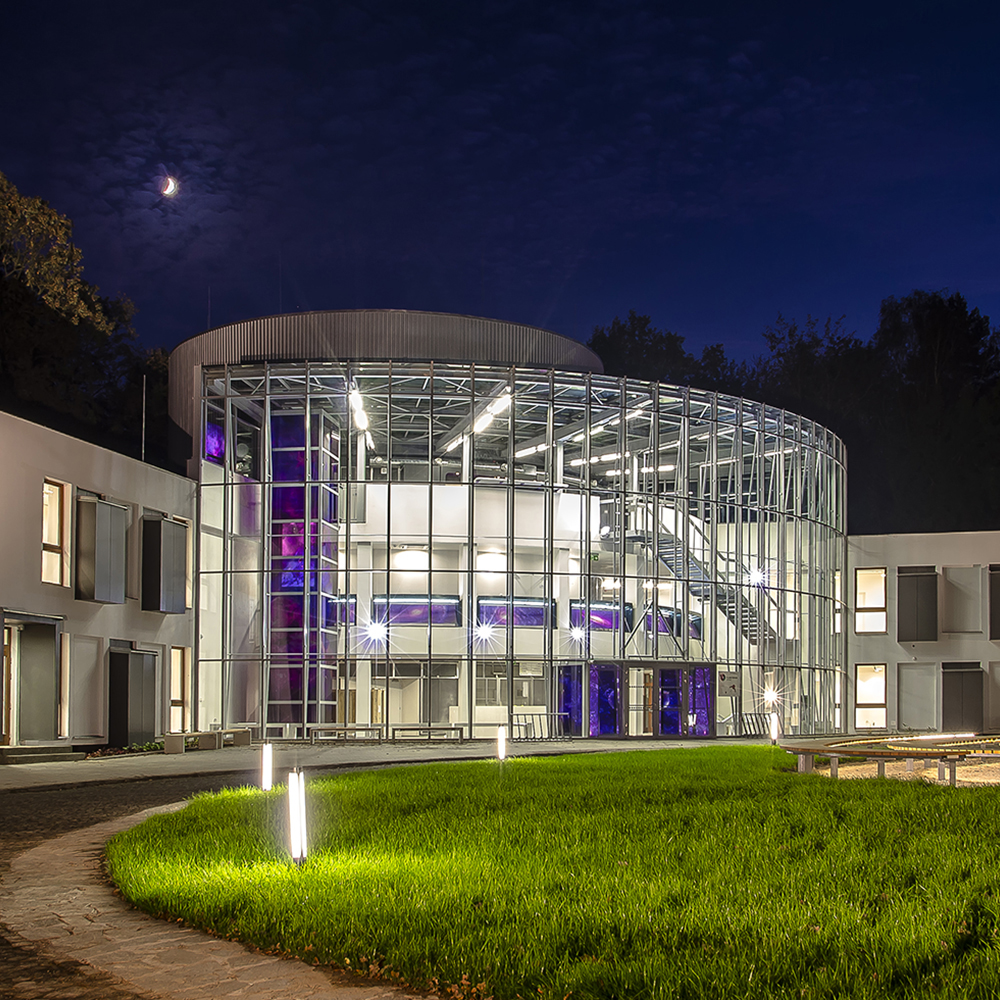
[
  {"x": 297, "y": 815},
  {"x": 266, "y": 767},
  {"x": 501, "y": 743}
]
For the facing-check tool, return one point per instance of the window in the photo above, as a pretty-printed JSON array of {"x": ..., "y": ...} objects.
[
  {"x": 605, "y": 616},
  {"x": 180, "y": 689},
  {"x": 528, "y": 612},
  {"x": 838, "y": 603},
  {"x": 994, "y": 601},
  {"x": 869, "y": 607},
  {"x": 55, "y": 565},
  {"x": 916, "y": 604},
  {"x": 869, "y": 696},
  {"x": 416, "y": 610}
]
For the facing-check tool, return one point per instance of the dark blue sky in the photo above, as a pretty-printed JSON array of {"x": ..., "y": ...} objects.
[{"x": 709, "y": 164}]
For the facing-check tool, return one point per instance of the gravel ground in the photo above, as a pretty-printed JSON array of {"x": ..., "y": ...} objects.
[
  {"x": 971, "y": 773},
  {"x": 29, "y": 817}
]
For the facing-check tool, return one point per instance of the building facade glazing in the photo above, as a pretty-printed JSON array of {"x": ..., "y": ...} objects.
[{"x": 407, "y": 543}]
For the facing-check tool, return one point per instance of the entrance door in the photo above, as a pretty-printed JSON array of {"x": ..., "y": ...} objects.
[
  {"x": 37, "y": 683},
  {"x": 6, "y": 669},
  {"x": 131, "y": 698},
  {"x": 605, "y": 700},
  {"x": 569, "y": 699},
  {"x": 961, "y": 698},
  {"x": 675, "y": 700}
]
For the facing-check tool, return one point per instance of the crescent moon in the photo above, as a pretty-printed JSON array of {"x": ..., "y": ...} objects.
[{"x": 170, "y": 187}]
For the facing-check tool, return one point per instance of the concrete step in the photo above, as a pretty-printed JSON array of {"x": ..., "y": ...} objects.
[{"x": 37, "y": 755}]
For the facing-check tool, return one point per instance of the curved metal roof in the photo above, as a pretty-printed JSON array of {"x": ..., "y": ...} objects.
[{"x": 369, "y": 334}]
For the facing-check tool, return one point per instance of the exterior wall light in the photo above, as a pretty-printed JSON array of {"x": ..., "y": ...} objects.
[
  {"x": 297, "y": 815},
  {"x": 266, "y": 767},
  {"x": 377, "y": 631}
]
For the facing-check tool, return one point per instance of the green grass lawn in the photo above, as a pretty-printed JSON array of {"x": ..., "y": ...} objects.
[{"x": 678, "y": 873}]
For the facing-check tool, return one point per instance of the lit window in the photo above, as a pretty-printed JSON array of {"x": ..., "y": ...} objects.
[
  {"x": 180, "y": 689},
  {"x": 869, "y": 696},
  {"x": 53, "y": 533},
  {"x": 869, "y": 591},
  {"x": 838, "y": 603}
]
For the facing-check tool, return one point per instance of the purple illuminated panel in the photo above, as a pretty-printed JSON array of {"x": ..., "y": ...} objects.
[
  {"x": 288, "y": 466},
  {"x": 215, "y": 443},
  {"x": 605, "y": 691},
  {"x": 288, "y": 502},
  {"x": 668, "y": 621},
  {"x": 526, "y": 613},
  {"x": 701, "y": 701},
  {"x": 286, "y": 611},
  {"x": 604, "y": 616},
  {"x": 340, "y": 610},
  {"x": 415, "y": 610},
  {"x": 288, "y": 430}
]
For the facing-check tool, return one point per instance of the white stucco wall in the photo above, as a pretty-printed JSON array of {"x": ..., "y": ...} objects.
[
  {"x": 30, "y": 454},
  {"x": 913, "y": 669}
]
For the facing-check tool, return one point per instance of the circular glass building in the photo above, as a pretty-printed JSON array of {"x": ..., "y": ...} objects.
[{"x": 435, "y": 524}]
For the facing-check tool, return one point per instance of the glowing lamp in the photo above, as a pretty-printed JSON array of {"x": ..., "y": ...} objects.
[
  {"x": 501, "y": 743},
  {"x": 297, "y": 816},
  {"x": 774, "y": 728},
  {"x": 377, "y": 631},
  {"x": 266, "y": 767}
]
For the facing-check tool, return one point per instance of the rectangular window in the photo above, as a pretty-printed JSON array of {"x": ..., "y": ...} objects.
[
  {"x": 838, "y": 603},
  {"x": 55, "y": 565},
  {"x": 994, "y": 601},
  {"x": 669, "y": 622},
  {"x": 527, "y": 612},
  {"x": 916, "y": 604},
  {"x": 869, "y": 601},
  {"x": 415, "y": 610},
  {"x": 605, "y": 616},
  {"x": 869, "y": 696},
  {"x": 180, "y": 689}
]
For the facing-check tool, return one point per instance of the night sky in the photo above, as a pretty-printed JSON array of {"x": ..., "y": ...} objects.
[{"x": 711, "y": 165}]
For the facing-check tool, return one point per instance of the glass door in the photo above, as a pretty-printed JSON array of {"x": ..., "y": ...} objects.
[{"x": 605, "y": 700}]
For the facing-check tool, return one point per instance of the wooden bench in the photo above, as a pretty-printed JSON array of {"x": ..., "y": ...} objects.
[
  {"x": 208, "y": 739},
  {"x": 430, "y": 731},
  {"x": 340, "y": 731}
]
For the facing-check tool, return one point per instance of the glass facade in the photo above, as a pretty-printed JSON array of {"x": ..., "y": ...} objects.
[{"x": 416, "y": 542}]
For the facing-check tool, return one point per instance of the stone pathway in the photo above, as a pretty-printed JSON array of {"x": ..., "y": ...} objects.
[{"x": 56, "y": 902}]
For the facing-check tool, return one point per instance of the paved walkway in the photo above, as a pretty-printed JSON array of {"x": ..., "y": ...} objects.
[
  {"x": 55, "y": 897},
  {"x": 56, "y": 905}
]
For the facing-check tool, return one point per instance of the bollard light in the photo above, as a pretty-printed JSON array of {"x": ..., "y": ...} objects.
[
  {"x": 501, "y": 743},
  {"x": 266, "y": 767},
  {"x": 297, "y": 815},
  {"x": 774, "y": 728}
]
